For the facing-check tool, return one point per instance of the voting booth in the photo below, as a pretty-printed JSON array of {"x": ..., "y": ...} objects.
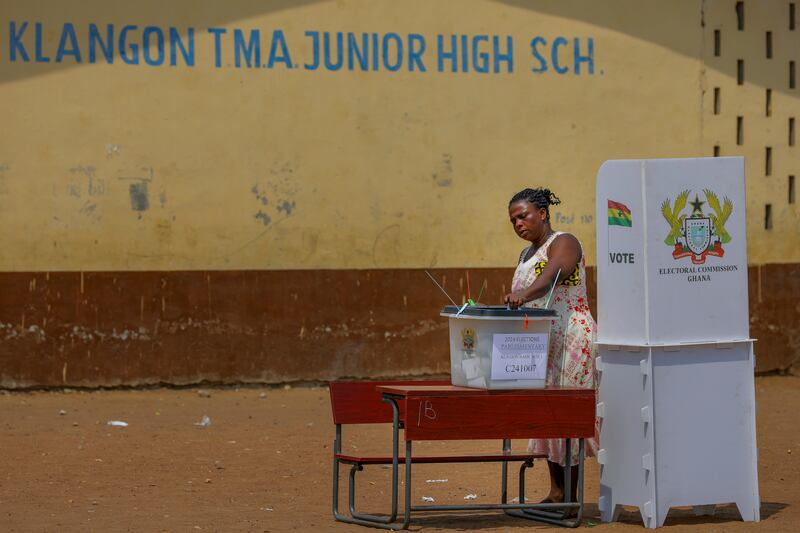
[{"x": 676, "y": 392}]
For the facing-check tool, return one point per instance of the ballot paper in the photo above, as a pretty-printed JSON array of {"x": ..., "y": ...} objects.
[
  {"x": 479, "y": 382},
  {"x": 519, "y": 356},
  {"x": 471, "y": 367}
]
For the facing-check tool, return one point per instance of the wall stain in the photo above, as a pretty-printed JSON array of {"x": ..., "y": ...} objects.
[
  {"x": 260, "y": 195},
  {"x": 280, "y": 184},
  {"x": 3, "y": 185},
  {"x": 444, "y": 176},
  {"x": 263, "y": 217},
  {"x": 287, "y": 207},
  {"x": 85, "y": 180},
  {"x": 139, "y": 199},
  {"x": 163, "y": 231},
  {"x": 90, "y": 210},
  {"x": 310, "y": 241},
  {"x": 377, "y": 242}
]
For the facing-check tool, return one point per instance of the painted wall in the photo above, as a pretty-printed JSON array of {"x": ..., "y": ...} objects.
[
  {"x": 210, "y": 165},
  {"x": 191, "y": 139}
]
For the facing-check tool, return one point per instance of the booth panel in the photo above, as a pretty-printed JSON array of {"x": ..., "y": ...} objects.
[
  {"x": 626, "y": 433},
  {"x": 705, "y": 440},
  {"x": 696, "y": 250},
  {"x": 620, "y": 232}
]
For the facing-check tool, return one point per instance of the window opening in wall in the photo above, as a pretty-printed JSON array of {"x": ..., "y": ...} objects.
[
  {"x": 791, "y": 189},
  {"x": 791, "y": 74},
  {"x": 791, "y": 131},
  {"x": 739, "y": 132},
  {"x": 768, "y": 161},
  {"x": 768, "y": 216},
  {"x": 716, "y": 100},
  {"x": 740, "y": 15},
  {"x": 739, "y": 71},
  {"x": 768, "y": 110},
  {"x": 716, "y": 150},
  {"x": 791, "y": 16},
  {"x": 717, "y": 42},
  {"x": 769, "y": 45}
]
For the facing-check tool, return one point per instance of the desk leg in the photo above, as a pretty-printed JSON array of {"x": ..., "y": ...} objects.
[
  {"x": 504, "y": 474},
  {"x": 384, "y": 522},
  {"x": 395, "y": 453},
  {"x": 557, "y": 513},
  {"x": 337, "y": 448},
  {"x": 407, "y": 510},
  {"x": 568, "y": 470},
  {"x": 580, "y": 488}
]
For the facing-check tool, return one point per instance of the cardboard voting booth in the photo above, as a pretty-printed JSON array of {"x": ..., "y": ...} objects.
[{"x": 675, "y": 359}]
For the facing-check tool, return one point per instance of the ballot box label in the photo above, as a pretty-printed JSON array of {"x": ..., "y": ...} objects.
[{"x": 519, "y": 355}]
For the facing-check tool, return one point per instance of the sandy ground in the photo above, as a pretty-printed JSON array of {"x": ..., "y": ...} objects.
[{"x": 263, "y": 464}]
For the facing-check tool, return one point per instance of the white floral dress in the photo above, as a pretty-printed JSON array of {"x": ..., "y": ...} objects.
[{"x": 572, "y": 351}]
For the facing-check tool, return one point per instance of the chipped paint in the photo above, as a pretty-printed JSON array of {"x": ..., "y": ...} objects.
[
  {"x": 112, "y": 150},
  {"x": 287, "y": 207}
]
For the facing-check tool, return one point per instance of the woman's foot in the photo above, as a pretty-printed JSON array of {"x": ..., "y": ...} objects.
[{"x": 555, "y": 496}]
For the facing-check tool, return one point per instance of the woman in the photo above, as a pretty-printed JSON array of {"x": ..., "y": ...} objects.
[{"x": 571, "y": 353}]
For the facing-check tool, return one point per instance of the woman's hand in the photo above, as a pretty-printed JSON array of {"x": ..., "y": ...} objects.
[{"x": 515, "y": 299}]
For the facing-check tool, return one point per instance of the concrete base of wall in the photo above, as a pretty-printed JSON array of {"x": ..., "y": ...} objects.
[{"x": 106, "y": 329}]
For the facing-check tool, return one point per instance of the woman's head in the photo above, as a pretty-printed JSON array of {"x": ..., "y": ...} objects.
[
  {"x": 539, "y": 197},
  {"x": 529, "y": 211}
]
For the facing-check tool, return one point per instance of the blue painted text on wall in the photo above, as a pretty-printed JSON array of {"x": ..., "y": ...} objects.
[{"x": 238, "y": 48}]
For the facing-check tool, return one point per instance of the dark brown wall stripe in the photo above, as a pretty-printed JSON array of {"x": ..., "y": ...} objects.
[{"x": 135, "y": 328}]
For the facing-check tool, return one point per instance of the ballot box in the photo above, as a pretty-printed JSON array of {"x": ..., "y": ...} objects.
[
  {"x": 492, "y": 347},
  {"x": 675, "y": 359}
]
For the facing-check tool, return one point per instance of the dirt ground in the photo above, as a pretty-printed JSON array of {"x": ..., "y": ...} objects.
[{"x": 264, "y": 464}]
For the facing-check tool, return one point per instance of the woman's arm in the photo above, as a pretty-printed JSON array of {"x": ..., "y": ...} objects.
[{"x": 564, "y": 254}]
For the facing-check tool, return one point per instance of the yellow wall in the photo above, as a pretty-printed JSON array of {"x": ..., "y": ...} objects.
[
  {"x": 748, "y": 100},
  {"x": 363, "y": 169}
]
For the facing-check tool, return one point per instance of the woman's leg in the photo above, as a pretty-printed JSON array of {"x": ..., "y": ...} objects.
[
  {"x": 556, "y": 494},
  {"x": 557, "y": 483}
]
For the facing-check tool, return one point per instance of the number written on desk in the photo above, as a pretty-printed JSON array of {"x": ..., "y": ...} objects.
[{"x": 426, "y": 410}]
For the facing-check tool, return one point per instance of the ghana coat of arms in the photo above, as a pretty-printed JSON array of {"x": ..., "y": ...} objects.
[{"x": 698, "y": 234}]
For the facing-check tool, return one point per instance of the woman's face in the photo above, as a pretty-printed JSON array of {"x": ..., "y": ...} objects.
[{"x": 529, "y": 221}]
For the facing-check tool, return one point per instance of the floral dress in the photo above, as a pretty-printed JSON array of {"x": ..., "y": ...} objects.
[{"x": 571, "y": 355}]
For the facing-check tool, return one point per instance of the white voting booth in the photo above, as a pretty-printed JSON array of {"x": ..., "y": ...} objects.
[{"x": 676, "y": 396}]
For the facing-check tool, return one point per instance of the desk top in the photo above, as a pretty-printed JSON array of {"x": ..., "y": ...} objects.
[
  {"x": 411, "y": 391},
  {"x": 447, "y": 412}
]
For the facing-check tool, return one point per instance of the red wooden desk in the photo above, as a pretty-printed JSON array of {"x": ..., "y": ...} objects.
[{"x": 447, "y": 412}]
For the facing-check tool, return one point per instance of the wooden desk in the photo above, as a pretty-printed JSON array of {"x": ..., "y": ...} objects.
[{"x": 447, "y": 412}]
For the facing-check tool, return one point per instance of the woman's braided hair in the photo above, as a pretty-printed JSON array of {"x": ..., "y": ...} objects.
[{"x": 540, "y": 197}]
